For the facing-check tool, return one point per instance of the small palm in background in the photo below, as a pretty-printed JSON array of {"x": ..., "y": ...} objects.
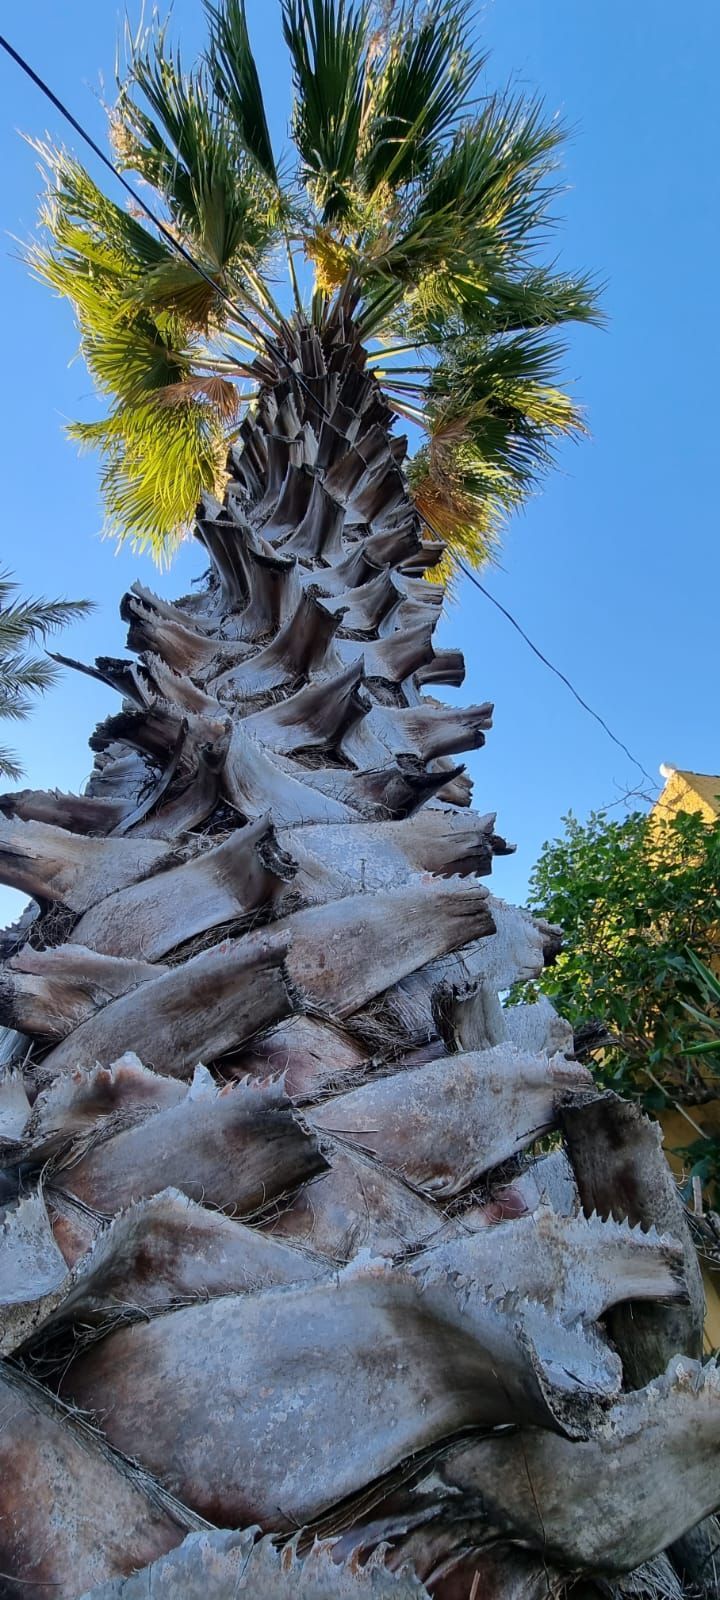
[
  {"x": 23, "y": 672},
  {"x": 420, "y": 197}
]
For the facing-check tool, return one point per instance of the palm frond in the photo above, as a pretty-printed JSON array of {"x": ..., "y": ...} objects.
[
  {"x": 537, "y": 298},
  {"x": 466, "y": 518},
  {"x": 157, "y": 460},
  {"x": 423, "y": 202},
  {"x": 480, "y": 207},
  {"x": 24, "y": 622},
  {"x": 236, "y": 79},
  {"x": 327, "y": 40},
  {"x": 74, "y": 202},
  {"x": 421, "y": 81},
  {"x": 138, "y": 308},
  {"x": 496, "y": 174},
  {"x": 189, "y": 147},
  {"x": 494, "y": 415},
  {"x": 96, "y": 254},
  {"x": 21, "y": 676},
  {"x": 10, "y": 767},
  {"x": 444, "y": 308},
  {"x": 22, "y": 619},
  {"x": 224, "y": 397}
]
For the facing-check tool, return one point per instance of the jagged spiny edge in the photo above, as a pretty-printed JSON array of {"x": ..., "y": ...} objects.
[
  {"x": 560, "y": 1233},
  {"x": 419, "y": 1262},
  {"x": 530, "y": 1321},
  {"x": 545, "y": 1218},
  {"x": 223, "y": 1563},
  {"x": 270, "y": 1086},
  {"x": 576, "y": 1410},
  {"x": 100, "y": 1254}
]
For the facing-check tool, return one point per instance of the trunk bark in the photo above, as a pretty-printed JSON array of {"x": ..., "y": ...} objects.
[{"x": 273, "y": 1223}]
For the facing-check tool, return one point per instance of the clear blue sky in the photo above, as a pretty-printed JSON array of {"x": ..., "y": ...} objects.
[{"x": 613, "y": 569}]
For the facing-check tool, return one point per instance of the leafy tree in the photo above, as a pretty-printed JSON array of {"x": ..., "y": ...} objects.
[
  {"x": 411, "y": 189},
  {"x": 639, "y": 904},
  {"x": 24, "y": 673}
]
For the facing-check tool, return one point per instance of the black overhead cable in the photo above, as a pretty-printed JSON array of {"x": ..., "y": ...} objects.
[
  {"x": 138, "y": 199},
  {"x": 217, "y": 288},
  {"x": 558, "y": 674}
]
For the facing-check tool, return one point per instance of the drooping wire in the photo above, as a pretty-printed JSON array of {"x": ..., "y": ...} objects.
[
  {"x": 556, "y": 670},
  {"x": 468, "y": 573}
]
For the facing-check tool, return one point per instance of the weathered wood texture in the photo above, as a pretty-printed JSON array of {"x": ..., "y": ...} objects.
[{"x": 272, "y": 1217}]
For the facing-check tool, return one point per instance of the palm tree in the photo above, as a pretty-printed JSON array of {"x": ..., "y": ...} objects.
[
  {"x": 295, "y": 1303},
  {"x": 24, "y": 673}
]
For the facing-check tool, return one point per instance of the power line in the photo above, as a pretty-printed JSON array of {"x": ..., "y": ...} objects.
[
  {"x": 558, "y": 674},
  {"x": 464, "y": 568},
  {"x": 169, "y": 237}
]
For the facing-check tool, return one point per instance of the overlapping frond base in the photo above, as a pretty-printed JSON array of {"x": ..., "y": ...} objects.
[{"x": 292, "y": 1301}]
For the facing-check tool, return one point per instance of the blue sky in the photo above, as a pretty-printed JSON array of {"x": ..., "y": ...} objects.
[{"x": 613, "y": 569}]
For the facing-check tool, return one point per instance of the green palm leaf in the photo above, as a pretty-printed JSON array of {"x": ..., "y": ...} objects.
[
  {"x": 493, "y": 415},
  {"x": 24, "y": 674},
  {"x": 158, "y": 460},
  {"x": 236, "y": 79},
  {"x": 327, "y": 40},
  {"x": 427, "y": 69},
  {"x": 189, "y": 147}
]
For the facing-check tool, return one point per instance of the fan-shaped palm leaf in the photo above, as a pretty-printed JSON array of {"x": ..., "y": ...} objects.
[
  {"x": 424, "y": 75},
  {"x": 23, "y": 673},
  {"x": 158, "y": 460},
  {"x": 237, "y": 81},
  {"x": 327, "y": 40}
]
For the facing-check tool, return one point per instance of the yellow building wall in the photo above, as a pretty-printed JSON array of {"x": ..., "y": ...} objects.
[
  {"x": 677, "y": 1133},
  {"x": 693, "y": 791},
  {"x": 688, "y": 791}
]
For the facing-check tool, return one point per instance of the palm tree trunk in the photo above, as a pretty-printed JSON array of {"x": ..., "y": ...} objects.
[{"x": 280, "y": 1234}]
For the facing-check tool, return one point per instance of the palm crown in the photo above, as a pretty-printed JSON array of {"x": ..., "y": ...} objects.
[{"x": 410, "y": 192}]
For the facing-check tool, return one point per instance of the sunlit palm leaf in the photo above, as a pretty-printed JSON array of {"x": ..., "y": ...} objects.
[
  {"x": 163, "y": 442},
  {"x": 158, "y": 459},
  {"x": 189, "y": 147},
  {"x": 494, "y": 417},
  {"x": 426, "y": 71}
]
